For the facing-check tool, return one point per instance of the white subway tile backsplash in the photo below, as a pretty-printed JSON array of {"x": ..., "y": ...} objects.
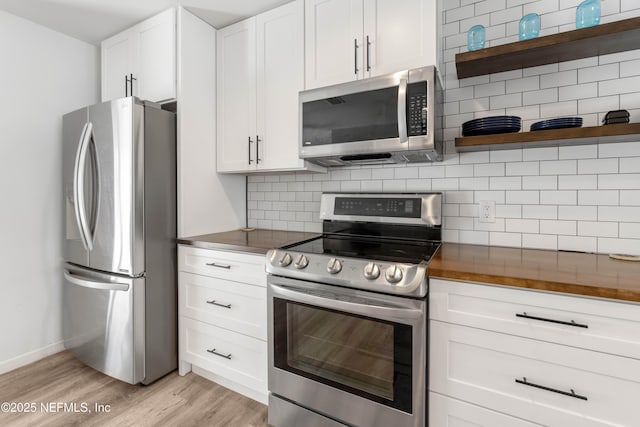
[
  {"x": 630, "y": 197},
  {"x": 558, "y": 167},
  {"x": 561, "y": 197},
  {"x": 523, "y": 197},
  {"x": 577, "y": 243},
  {"x": 619, "y": 246},
  {"x": 618, "y": 182},
  {"x": 619, "y": 213},
  {"x": 597, "y": 229},
  {"x": 601, "y": 72},
  {"x": 583, "y": 197},
  {"x": 544, "y": 153},
  {"x": 562, "y": 78},
  {"x": 489, "y": 169},
  {"x": 628, "y": 230},
  {"x": 539, "y": 212},
  {"x": 505, "y": 183},
  {"x": 540, "y": 183},
  {"x": 536, "y": 97},
  {"x": 585, "y": 213},
  {"x": 505, "y": 239},
  {"x": 509, "y": 211},
  {"x": 578, "y": 182}
]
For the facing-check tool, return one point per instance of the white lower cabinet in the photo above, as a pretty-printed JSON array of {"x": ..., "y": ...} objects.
[
  {"x": 447, "y": 412},
  {"x": 222, "y": 308},
  {"x": 544, "y": 372}
]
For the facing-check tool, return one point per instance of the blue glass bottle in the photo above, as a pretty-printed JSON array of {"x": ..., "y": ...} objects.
[
  {"x": 588, "y": 14},
  {"x": 475, "y": 38},
  {"x": 529, "y": 26}
]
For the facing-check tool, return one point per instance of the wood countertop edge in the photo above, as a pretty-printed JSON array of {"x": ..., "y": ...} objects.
[{"x": 538, "y": 284}]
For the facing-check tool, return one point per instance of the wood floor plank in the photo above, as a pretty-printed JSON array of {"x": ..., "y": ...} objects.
[{"x": 171, "y": 401}]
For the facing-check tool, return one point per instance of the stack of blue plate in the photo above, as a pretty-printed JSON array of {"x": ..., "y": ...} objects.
[
  {"x": 565, "y": 122},
  {"x": 490, "y": 125}
]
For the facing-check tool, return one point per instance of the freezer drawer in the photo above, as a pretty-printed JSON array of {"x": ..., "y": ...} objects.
[{"x": 103, "y": 322}]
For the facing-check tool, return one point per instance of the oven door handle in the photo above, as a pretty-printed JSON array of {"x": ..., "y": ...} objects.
[{"x": 356, "y": 305}]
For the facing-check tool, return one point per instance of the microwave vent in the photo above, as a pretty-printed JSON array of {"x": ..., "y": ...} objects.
[{"x": 336, "y": 100}]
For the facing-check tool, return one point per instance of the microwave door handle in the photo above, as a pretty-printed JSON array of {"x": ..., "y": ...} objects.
[
  {"x": 363, "y": 307},
  {"x": 402, "y": 111}
]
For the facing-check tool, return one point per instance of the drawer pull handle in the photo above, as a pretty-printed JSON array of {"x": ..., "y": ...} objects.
[
  {"x": 226, "y": 356},
  {"x": 561, "y": 322},
  {"x": 571, "y": 393},
  {"x": 225, "y": 266},
  {"x": 213, "y": 302}
]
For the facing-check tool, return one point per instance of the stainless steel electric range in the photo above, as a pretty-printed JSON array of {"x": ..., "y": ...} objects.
[{"x": 348, "y": 314}]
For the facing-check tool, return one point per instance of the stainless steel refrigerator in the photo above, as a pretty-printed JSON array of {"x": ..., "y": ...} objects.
[{"x": 119, "y": 292}]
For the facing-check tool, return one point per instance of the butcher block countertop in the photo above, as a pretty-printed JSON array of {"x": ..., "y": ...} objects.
[
  {"x": 569, "y": 272},
  {"x": 257, "y": 241}
]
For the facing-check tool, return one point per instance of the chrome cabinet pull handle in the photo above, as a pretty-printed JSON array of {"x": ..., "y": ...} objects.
[
  {"x": 355, "y": 56},
  {"x": 213, "y": 302},
  {"x": 570, "y": 393},
  {"x": 561, "y": 322},
  {"x": 249, "y": 150},
  {"x": 368, "y": 54},
  {"x": 213, "y": 264},
  {"x": 226, "y": 356}
]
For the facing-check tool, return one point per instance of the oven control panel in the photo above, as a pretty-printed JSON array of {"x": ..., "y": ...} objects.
[{"x": 377, "y": 276}]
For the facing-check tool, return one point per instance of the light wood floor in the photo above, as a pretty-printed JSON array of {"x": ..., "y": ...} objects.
[{"x": 171, "y": 401}]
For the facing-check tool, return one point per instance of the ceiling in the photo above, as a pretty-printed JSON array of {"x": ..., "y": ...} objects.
[{"x": 94, "y": 20}]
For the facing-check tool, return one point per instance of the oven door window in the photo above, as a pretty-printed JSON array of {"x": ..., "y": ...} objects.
[
  {"x": 362, "y": 116},
  {"x": 364, "y": 356}
]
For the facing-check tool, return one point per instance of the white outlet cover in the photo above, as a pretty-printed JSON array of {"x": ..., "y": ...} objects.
[{"x": 487, "y": 211}]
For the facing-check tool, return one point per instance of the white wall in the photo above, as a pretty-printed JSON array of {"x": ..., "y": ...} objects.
[
  {"x": 583, "y": 198},
  {"x": 44, "y": 74}
]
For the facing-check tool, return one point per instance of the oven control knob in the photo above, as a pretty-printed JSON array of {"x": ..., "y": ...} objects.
[
  {"x": 393, "y": 274},
  {"x": 334, "y": 266},
  {"x": 285, "y": 260},
  {"x": 301, "y": 262},
  {"x": 371, "y": 271}
]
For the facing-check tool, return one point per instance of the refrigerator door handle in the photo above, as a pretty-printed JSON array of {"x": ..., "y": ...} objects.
[
  {"x": 78, "y": 186},
  {"x": 103, "y": 286}
]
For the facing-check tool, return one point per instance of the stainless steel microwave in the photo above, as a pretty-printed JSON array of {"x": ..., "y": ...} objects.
[{"x": 395, "y": 118}]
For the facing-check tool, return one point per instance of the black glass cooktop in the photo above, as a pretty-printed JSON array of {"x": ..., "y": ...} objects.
[{"x": 401, "y": 251}]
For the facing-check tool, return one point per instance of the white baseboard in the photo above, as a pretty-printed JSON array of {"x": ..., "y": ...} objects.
[{"x": 30, "y": 357}]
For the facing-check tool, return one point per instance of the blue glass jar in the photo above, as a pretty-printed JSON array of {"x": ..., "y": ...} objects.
[
  {"x": 529, "y": 26},
  {"x": 588, "y": 14},
  {"x": 476, "y": 37}
]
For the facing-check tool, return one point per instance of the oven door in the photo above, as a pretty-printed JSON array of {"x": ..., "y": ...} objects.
[{"x": 354, "y": 356}]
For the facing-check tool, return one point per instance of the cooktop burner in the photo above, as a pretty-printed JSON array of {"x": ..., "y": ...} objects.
[
  {"x": 403, "y": 251},
  {"x": 378, "y": 242}
]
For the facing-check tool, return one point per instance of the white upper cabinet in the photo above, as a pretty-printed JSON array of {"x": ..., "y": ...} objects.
[
  {"x": 333, "y": 41},
  {"x": 141, "y": 61},
  {"x": 354, "y": 39},
  {"x": 259, "y": 74},
  {"x": 236, "y": 99}
]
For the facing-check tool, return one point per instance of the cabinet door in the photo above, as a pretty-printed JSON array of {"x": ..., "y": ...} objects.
[
  {"x": 236, "y": 78},
  {"x": 280, "y": 76},
  {"x": 117, "y": 59},
  {"x": 156, "y": 54},
  {"x": 333, "y": 41},
  {"x": 401, "y": 34},
  {"x": 447, "y": 412}
]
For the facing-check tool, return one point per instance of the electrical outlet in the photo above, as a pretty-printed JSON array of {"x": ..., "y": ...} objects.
[{"x": 487, "y": 211}]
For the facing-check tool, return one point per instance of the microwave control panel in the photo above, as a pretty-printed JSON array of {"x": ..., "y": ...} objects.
[{"x": 417, "y": 109}]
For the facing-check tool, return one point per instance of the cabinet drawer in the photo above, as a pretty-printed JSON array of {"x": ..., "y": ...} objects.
[
  {"x": 484, "y": 368},
  {"x": 230, "y": 305},
  {"x": 239, "y": 358},
  {"x": 607, "y": 326},
  {"x": 447, "y": 412},
  {"x": 237, "y": 267}
]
